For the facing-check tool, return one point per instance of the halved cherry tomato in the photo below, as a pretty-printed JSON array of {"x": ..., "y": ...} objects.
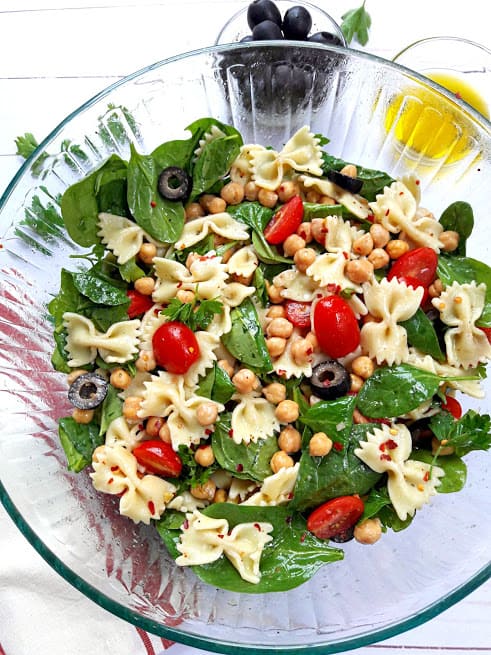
[
  {"x": 298, "y": 313},
  {"x": 158, "y": 457},
  {"x": 419, "y": 264},
  {"x": 285, "y": 221},
  {"x": 335, "y": 516},
  {"x": 336, "y": 327},
  {"x": 414, "y": 283},
  {"x": 453, "y": 406},
  {"x": 487, "y": 332},
  {"x": 175, "y": 347},
  {"x": 139, "y": 304}
]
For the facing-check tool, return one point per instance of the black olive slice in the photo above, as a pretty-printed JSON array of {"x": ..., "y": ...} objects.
[
  {"x": 352, "y": 184},
  {"x": 88, "y": 391},
  {"x": 330, "y": 380},
  {"x": 174, "y": 183}
]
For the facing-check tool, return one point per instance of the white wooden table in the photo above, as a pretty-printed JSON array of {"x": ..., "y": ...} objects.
[{"x": 54, "y": 54}]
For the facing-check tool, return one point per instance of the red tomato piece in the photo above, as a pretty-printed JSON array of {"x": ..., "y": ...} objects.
[
  {"x": 158, "y": 457},
  {"x": 285, "y": 221},
  {"x": 419, "y": 264},
  {"x": 139, "y": 304},
  {"x": 487, "y": 332},
  {"x": 453, "y": 406},
  {"x": 175, "y": 347},
  {"x": 335, "y": 516},
  {"x": 336, "y": 327},
  {"x": 298, "y": 313}
]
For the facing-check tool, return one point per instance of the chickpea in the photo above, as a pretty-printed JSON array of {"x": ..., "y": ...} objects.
[
  {"x": 318, "y": 227},
  {"x": 450, "y": 240},
  {"x": 245, "y": 380},
  {"x": 290, "y": 440},
  {"x": 281, "y": 460},
  {"x": 359, "y": 270},
  {"x": 292, "y": 244},
  {"x": 120, "y": 378},
  {"x": 304, "y": 258},
  {"x": 226, "y": 366},
  {"x": 145, "y": 362},
  {"x": 444, "y": 450},
  {"x": 320, "y": 444},
  {"x": 312, "y": 339},
  {"x": 287, "y": 411},
  {"x": 302, "y": 351},
  {"x": 327, "y": 200},
  {"x": 193, "y": 210},
  {"x": 276, "y": 346},
  {"x": 232, "y": 193},
  {"x": 378, "y": 258},
  {"x": 191, "y": 258},
  {"x": 280, "y": 327},
  {"x": 287, "y": 190},
  {"x": 349, "y": 170},
  {"x": 396, "y": 248},
  {"x": 251, "y": 191},
  {"x": 204, "y": 456},
  {"x": 204, "y": 491},
  {"x": 358, "y": 418},
  {"x": 145, "y": 285},
  {"x": 131, "y": 406},
  {"x": 274, "y": 293},
  {"x": 164, "y": 433},
  {"x": 380, "y": 235},
  {"x": 304, "y": 230},
  {"x": 435, "y": 290},
  {"x": 185, "y": 296},
  {"x": 356, "y": 383},
  {"x": 220, "y": 496},
  {"x": 243, "y": 279},
  {"x": 207, "y": 413},
  {"x": 313, "y": 196},
  {"x": 267, "y": 198},
  {"x": 217, "y": 205},
  {"x": 154, "y": 425},
  {"x": 73, "y": 375},
  {"x": 363, "y": 245},
  {"x": 82, "y": 415},
  {"x": 147, "y": 252},
  {"x": 276, "y": 311},
  {"x": 368, "y": 532},
  {"x": 274, "y": 392},
  {"x": 363, "y": 366},
  {"x": 205, "y": 199}
]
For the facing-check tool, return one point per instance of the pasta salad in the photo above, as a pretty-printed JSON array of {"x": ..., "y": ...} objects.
[{"x": 266, "y": 350}]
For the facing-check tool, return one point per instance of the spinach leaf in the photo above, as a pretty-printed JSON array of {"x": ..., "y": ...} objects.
[
  {"x": 214, "y": 162},
  {"x": 373, "y": 181},
  {"x": 378, "y": 504},
  {"x": 454, "y": 467},
  {"x": 99, "y": 290},
  {"x": 173, "y": 153},
  {"x": 216, "y": 385},
  {"x": 259, "y": 283},
  {"x": 291, "y": 559},
  {"x": 112, "y": 408},
  {"x": 463, "y": 270},
  {"x": 130, "y": 271},
  {"x": 470, "y": 432},
  {"x": 249, "y": 462},
  {"x": 79, "y": 440},
  {"x": 312, "y": 210},
  {"x": 334, "y": 417},
  {"x": 396, "y": 390},
  {"x": 245, "y": 341},
  {"x": 459, "y": 217},
  {"x": 422, "y": 335},
  {"x": 389, "y": 519},
  {"x": 59, "y": 358},
  {"x": 162, "y": 219}
]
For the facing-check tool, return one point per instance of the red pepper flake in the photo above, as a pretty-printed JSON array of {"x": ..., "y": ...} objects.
[
  {"x": 385, "y": 458},
  {"x": 153, "y": 203},
  {"x": 390, "y": 444},
  {"x": 151, "y": 507},
  {"x": 458, "y": 96},
  {"x": 426, "y": 476},
  {"x": 239, "y": 468},
  {"x": 123, "y": 492},
  {"x": 324, "y": 230},
  {"x": 156, "y": 312},
  {"x": 303, "y": 536},
  {"x": 290, "y": 496},
  {"x": 185, "y": 525},
  {"x": 208, "y": 432},
  {"x": 401, "y": 193},
  {"x": 221, "y": 536},
  {"x": 281, "y": 372},
  {"x": 371, "y": 218},
  {"x": 318, "y": 295},
  {"x": 337, "y": 445},
  {"x": 387, "y": 212},
  {"x": 309, "y": 351},
  {"x": 110, "y": 481},
  {"x": 257, "y": 526},
  {"x": 289, "y": 519},
  {"x": 1, "y": 244},
  {"x": 345, "y": 255},
  {"x": 417, "y": 182},
  {"x": 179, "y": 285},
  {"x": 114, "y": 468},
  {"x": 141, "y": 426},
  {"x": 230, "y": 433}
]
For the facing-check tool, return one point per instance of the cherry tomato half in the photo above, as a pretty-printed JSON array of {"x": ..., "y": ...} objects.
[
  {"x": 335, "y": 516},
  {"x": 336, "y": 327},
  {"x": 175, "y": 347},
  {"x": 453, "y": 406},
  {"x": 298, "y": 313},
  {"x": 158, "y": 457},
  {"x": 419, "y": 264},
  {"x": 487, "y": 332},
  {"x": 139, "y": 304},
  {"x": 285, "y": 221}
]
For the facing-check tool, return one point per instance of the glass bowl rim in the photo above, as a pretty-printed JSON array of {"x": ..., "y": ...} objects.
[
  {"x": 440, "y": 37},
  {"x": 195, "y": 640}
]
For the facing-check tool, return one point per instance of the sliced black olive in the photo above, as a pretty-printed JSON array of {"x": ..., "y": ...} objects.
[
  {"x": 330, "y": 380},
  {"x": 261, "y": 10},
  {"x": 421, "y": 435},
  {"x": 344, "y": 536},
  {"x": 174, "y": 183},
  {"x": 352, "y": 184},
  {"x": 297, "y": 23},
  {"x": 326, "y": 38},
  {"x": 88, "y": 391},
  {"x": 267, "y": 31}
]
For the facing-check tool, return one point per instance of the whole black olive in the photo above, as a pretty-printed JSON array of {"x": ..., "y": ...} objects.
[
  {"x": 297, "y": 23},
  {"x": 261, "y": 10},
  {"x": 344, "y": 536},
  {"x": 88, "y": 391},
  {"x": 352, "y": 184},
  {"x": 247, "y": 38},
  {"x": 325, "y": 38},
  {"x": 267, "y": 31},
  {"x": 330, "y": 380},
  {"x": 174, "y": 183}
]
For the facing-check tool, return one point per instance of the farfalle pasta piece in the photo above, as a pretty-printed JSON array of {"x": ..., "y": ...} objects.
[
  {"x": 123, "y": 237},
  {"x": 296, "y": 285},
  {"x": 210, "y": 135},
  {"x": 286, "y": 366},
  {"x": 171, "y": 276},
  {"x": 253, "y": 418},
  {"x": 119, "y": 432},
  {"x": 241, "y": 170},
  {"x": 183, "y": 425},
  {"x": 234, "y": 293},
  {"x": 340, "y": 235},
  {"x": 472, "y": 388},
  {"x": 389, "y": 302},
  {"x": 116, "y": 472},
  {"x": 221, "y": 323},
  {"x": 243, "y": 262},
  {"x": 240, "y": 489},
  {"x": 186, "y": 502},
  {"x": 276, "y": 489},
  {"x": 328, "y": 270},
  {"x": 397, "y": 210},
  {"x": 206, "y": 277},
  {"x": 162, "y": 393},
  {"x": 460, "y": 306},
  {"x": 352, "y": 202},
  {"x": 150, "y": 323},
  {"x": 207, "y": 342},
  {"x": 243, "y": 547},
  {"x": 223, "y": 224},
  {"x": 117, "y": 345},
  {"x": 410, "y": 483}
]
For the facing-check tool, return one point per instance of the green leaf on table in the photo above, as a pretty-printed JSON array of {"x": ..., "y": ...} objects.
[
  {"x": 79, "y": 441},
  {"x": 422, "y": 335},
  {"x": 459, "y": 218},
  {"x": 355, "y": 24},
  {"x": 464, "y": 270},
  {"x": 470, "y": 432},
  {"x": 26, "y": 145},
  {"x": 245, "y": 341}
]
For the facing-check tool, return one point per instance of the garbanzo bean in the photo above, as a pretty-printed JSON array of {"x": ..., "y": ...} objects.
[
  {"x": 380, "y": 235},
  {"x": 145, "y": 285},
  {"x": 147, "y": 252},
  {"x": 204, "y": 456},
  {"x": 363, "y": 245},
  {"x": 396, "y": 248},
  {"x": 281, "y": 460},
  {"x": 368, "y": 532},
  {"x": 120, "y": 378},
  {"x": 320, "y": 444},
  {"x": 275, "y": 392},
  {"x": 359, "y": 270},
  {"x": 280, "y": 327},
  {"x": 276, "y": 346},
  {"x": 193, "y": 210},
  {"x": 379, "y": 258},
  {"x": 153, "y": 425},
  {"x": 245, "y": 380},
  {"x": 204, "y": 491},
  {"x": 450, "y": 240},
  {"x": 292, "y": 244},
  {"x": 303, "y": 258},
  {"x": 82, "y": 416},
  {"x": 290, "y": 440},
  {"x": 131, "y": 405},
  {"x": 207, "y": 413},
  {"x": 287, "y": 190},
  {"x": 363, "y": 366},
  {"x": 251, "y": 191},
  {"x": 267, "y": 198},
  {"x": 276, "y": 311},
  {"x": 287, "y": 411},
  {"x": 232, "y": 193}
]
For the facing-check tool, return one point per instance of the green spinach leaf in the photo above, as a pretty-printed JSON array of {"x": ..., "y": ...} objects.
[
  {"x": 245, "y": 341},
  {"x": 112, "y": 408},
  {"x": 79, "y": 440},
  {"x": 463, "y": 270},
  {"x": 470, "y": 432},
  {"x": 214, "y": 162},
  {"x": 173, "y": 153},
  {"x": 422, "y": 335},
  {"x": 454, "y": 467},
  {"x": 312, "y": 210},
  {"x": 99, "y": 290},
  {"x": 373, "y": 181},
  {"x": 459, "y": 217},
  {"x": 334, "y": 417},
  {"x": 216, "y": 385}
]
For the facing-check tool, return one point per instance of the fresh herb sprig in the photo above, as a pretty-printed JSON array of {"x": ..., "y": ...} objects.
[
  {"x": 356, "y": 23},
  {"x": 471, "y": 432},
  {"x": 196, "y": 315}
]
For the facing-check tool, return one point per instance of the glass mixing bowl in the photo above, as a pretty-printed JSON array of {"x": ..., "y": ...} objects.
[{"x": 367, "y": 107}]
